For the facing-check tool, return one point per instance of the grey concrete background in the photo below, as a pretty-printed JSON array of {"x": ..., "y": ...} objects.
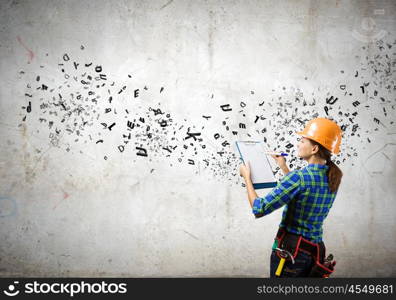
[{"x": 67, "y": 211}]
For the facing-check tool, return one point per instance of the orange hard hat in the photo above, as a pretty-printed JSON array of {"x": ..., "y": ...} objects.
[{"x": 324, "y": 131}]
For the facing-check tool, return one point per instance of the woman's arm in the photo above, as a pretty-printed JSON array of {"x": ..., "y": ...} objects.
[
  {"x": 245, "y": 173},
  {"x": 284, "y": 169},
  {"x": 281, "y": 161},
  {"x": 250, "y": 190}
]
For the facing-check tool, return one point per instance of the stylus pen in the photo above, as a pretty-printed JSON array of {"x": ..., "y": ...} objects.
[{"x": 277, "y": 153}]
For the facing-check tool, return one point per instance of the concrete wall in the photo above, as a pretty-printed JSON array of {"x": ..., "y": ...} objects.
[{"x": 78, "y": 199}]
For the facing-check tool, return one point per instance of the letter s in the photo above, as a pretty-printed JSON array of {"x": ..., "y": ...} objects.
[{"x": 122, "y": 288}]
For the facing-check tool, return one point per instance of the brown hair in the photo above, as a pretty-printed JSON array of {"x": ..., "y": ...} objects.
[{"x": 334, "y": 173}]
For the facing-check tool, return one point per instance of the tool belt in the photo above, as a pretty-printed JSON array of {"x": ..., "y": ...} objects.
[{"x": 288, "y": 245}]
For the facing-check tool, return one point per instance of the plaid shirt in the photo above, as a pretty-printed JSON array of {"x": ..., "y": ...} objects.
[{"x": 309, "y": 186}]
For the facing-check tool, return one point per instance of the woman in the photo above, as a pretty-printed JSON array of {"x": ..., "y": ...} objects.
[{"x": 308, "y": 194}]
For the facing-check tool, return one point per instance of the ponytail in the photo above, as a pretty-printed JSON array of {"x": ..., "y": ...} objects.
[{"x": 334, "y": 173}]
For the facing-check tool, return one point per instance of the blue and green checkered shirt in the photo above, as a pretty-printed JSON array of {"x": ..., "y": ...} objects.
[{"x": 309, "y": 186}]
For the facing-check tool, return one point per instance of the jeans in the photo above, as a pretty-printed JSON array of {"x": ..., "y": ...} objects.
[{"x": 301, "y": 267}]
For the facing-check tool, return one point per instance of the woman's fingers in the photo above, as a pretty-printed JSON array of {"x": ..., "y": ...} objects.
[
  {"x": 274, "y": 157},
  {"x": 244, "y": 170},
  {"x": 280, "y": 160}
]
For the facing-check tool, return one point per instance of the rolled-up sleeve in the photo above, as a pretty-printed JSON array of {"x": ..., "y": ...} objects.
[{"x": 286, "y": 190}]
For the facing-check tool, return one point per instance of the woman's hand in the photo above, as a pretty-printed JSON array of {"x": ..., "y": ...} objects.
[
  {"x": 244, "y": 171},
  {"x": 280, "y": 160}
]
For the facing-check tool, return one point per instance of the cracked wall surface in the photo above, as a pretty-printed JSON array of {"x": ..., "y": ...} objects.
[{"x": 119, "y": 120}]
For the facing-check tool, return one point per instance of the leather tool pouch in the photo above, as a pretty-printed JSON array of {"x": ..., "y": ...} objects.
[
  {"x": 320, "y": 270},
  {"x": 290, "y": 243}
]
